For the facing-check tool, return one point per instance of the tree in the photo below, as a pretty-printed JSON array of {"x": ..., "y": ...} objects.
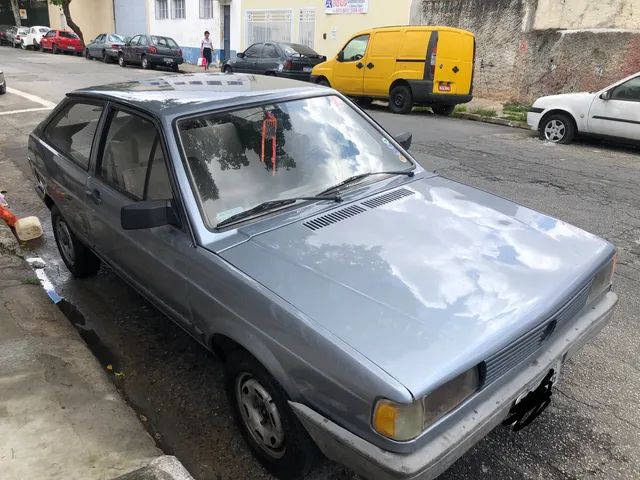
[
  {"x": 16, "y": 12},
  {"x": 64, "y": 4}
]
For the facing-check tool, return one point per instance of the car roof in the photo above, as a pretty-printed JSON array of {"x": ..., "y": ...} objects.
[{"x": 172, "y": 95}]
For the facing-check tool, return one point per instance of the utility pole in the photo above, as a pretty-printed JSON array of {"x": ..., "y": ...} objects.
[{"x": 16, "y": 12}]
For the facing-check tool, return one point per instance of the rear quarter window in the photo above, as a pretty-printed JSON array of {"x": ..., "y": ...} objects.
[{"x": 72, "y": 131}]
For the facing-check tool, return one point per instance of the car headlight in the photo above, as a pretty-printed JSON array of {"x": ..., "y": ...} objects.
[
  {"x": 602, "y": 280},
  {"x": 404, "y": 422}
]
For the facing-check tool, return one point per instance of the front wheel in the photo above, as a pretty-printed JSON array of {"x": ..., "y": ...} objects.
[
  {"x": 80, "y": 261},
  {"x": 87, "y": 55},
  {"x": 443, "y": 110},
  {"x": 400, "y": 99},
  {"x": 54, "y": 49},
  {"x": 557, "y": 128},
  {"x": 106, "y": 58},
  {"x": 266, "y": 421},
  {"x": 121, "y": 61}
]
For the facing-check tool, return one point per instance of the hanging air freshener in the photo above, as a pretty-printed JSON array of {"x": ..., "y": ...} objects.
[{"x": 269, "y": 131}]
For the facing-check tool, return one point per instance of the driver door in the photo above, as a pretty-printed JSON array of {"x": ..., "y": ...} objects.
[
  {"x": 130, "y": 49},
  {"x": 248, "y": 64},
  {"x": 619, "y": 115},
  {"x": 348, "y": 72}
]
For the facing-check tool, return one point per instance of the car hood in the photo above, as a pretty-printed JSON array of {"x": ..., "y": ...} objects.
[
  {"x": 558, "y": 100},
  {"x": 425, "y": 280}
]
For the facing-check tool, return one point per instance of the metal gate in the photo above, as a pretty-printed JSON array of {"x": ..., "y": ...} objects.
[{"x": 130, "y": 16}]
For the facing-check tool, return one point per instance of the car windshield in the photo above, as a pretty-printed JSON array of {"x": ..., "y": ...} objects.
[
  {"x": 239, "y": 159},
  {"x": 68, "y": 35},
  {"x": 164, "y": 41},
  {"x": 43, "y": 30},
  {"x": 294, "y": 49}
]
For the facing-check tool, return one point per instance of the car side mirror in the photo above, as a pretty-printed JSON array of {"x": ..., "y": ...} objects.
[
  {"x": 340, "y": 56},
  {"x": 404, "y": 139},
  {"x": 148, "y": 214},
  {"x": 240, "y": 55},
  {"x": 606, "y": 95}
]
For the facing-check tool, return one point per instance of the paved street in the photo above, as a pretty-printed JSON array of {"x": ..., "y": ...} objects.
[{"x": 591, "y": 430}]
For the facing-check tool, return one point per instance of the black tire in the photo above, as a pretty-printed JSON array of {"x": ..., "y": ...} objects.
[
  {"x": 146, "y": 64},
  {"x": 87, "y": 55},
  {"x": 80, "y": 261},
  {"x": 443, "y": 110},
  {"x": 298, "y": 454},
  {"x": 323, "y": 82},
  {"x": 22, "y": 45},
  {"x": 557, "y": 128},
  {"x": 227, "y": 69},
  {"x": 3, "y": 88},
  {"x": 106, "y": 58},
  {"x": 400, "y": 99},
  {"x": 175, "y": 68},
  {"x": 54, "y": 49},
  {"x": 35, "y": 45},
  {"x": 121, "y": 61}
]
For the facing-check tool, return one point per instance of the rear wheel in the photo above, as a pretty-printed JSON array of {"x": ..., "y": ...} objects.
[
  {"x": 106, "y": 58},
  {"x": 80, "y": 261},
  {"x": 227, "y": 69},
  {"x": 54, "y": 49},
  {"x": 145, "y": 63},
  {"x": 443, "y": 110},
  {"x": 121, "y": 61},
  {"x": 22, "y": 45},
  {"x": 400, "y": 99},
  {"x": 35, "y": 45},
  {"x": 324, "y": 82},
  {"x": 175, "y": 68},
  {"x": 557, "y": 128},
  {"x": 266, "y": 421}
]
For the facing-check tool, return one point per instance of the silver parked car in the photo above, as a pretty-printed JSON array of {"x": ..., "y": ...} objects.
[{"x": 364, "y": 307}]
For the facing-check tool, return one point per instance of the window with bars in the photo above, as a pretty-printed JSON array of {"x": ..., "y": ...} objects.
[
  {"x": 268, "y": 25},
  {"x": 307, "y": 27},
  {"x": 206, "y": 8},
  {"x": 178, "y": 9},
  {"x": 162, "y": 9}
]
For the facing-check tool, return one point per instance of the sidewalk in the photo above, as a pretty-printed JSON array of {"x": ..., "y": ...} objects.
[{"x": 60, "y": 416}]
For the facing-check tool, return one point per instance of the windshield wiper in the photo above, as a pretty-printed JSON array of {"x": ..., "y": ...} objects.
[
  {"x": 356, "y": 178},
  {"x": 273, "y": 204}
]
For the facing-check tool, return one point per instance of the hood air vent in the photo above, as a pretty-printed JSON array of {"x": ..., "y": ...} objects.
[
  {"x": 388, "y": 198},
  {"x": 334, "y": 217}
]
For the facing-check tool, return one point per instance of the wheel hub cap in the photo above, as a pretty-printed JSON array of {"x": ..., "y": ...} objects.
[
  {"x": 260, "y": 415},
  {"x": 555, "y": 131},
  {"x": 64, "y": 238}
]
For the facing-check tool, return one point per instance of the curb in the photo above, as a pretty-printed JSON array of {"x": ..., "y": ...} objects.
[
  {"x": 166, "y": 467},
  {"x": 496, "y": 121}
]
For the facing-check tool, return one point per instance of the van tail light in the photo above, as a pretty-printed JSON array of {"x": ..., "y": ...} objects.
[
  {"x": 433, "y": 61},
  {"x": 152, "y": 50},
  {"x": 288, "y": 65}
]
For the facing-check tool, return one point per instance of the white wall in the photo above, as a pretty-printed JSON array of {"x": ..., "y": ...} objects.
[{"x": 581, "y": 14}]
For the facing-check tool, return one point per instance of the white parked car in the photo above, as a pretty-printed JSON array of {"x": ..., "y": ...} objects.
[
  {"x": 32, "y": 39},
  {"x": 612, "y": 112}
]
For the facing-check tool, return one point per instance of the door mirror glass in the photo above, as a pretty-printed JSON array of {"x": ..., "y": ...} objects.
[
  {"x": 404, "y": 139},
  {"x": 148, "y": 214},
  {"x": 606, "y": 95},
  {"x": 240, "y": 55}
]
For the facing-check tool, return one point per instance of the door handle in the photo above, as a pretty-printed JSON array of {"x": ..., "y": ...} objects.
[
  {"x": 94, "y": 195},
  {"x": 359, "y": 65},
  {"x": 370, "y": 65}
]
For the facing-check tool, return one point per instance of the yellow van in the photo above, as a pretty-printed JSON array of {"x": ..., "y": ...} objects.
[{"x": 409, "y": 65}]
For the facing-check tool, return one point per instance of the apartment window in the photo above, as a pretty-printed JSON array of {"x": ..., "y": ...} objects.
[
  {"x": 268, "y": 25},
  {"x": 162, "y": 9},
  {"x": 177, "y": 9},
  {"x": 307, "y": 27},
  {"x": 206, "y": 8}
]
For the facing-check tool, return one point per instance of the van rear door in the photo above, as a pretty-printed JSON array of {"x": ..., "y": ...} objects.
[
  {"x": 453, "y": 63},
  {"x": 380, "y": 62}
]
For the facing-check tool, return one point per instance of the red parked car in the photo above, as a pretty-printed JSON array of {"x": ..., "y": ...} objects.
[{"x": 61, "y": 41}]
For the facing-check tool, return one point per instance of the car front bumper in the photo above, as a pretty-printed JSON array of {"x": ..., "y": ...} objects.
[
  {"x": 534, "y": 115},
  {"x": 493, "y": 406}
]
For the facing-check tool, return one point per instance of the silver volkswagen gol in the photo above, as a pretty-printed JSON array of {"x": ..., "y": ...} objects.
[{"x": 364, "y": 308}]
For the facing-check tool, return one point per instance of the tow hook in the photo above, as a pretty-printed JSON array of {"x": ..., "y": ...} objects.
[{"x": 524, "y": 412}]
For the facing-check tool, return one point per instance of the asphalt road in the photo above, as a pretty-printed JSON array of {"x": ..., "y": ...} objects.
[{"x": 591, "y": 430}]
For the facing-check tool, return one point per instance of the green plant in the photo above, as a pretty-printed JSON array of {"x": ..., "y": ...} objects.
[
  {"x": 484, "y": 112},
  {"x": 31, "y": 281},
  {"x": 460, "y": 109},
  {"x": 515, "y": 107}
]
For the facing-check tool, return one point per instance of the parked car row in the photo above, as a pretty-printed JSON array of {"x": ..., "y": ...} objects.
[{"x": 24, "y": 37}]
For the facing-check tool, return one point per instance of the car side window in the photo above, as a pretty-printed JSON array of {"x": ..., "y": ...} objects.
[
  {"x": 73, "y": 129},
  {"x": 134, "y": 40},
  {"x": 100, "y": 39},
  {"x": 270, "y": 51},
  {"x": 50, "y": 33},
  {"x": 628, "y": 91},
  {"x": 132, "y": 160},
  {"x": 355, "y": 49},
  {"x": 253, "y": 51},
  {"x": 143, "y": 41}
]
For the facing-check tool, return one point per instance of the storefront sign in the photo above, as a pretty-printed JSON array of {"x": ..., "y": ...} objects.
[
  {"x": 346, "y": 6},
  {"x": 23, "y": 13}
]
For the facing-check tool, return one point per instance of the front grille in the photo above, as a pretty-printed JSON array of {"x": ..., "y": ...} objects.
[{"x": 507, "y": 358}]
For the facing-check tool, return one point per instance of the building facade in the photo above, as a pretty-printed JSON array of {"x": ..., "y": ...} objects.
[
  {"x": 324, "y": 25},
  {"x": 92, "y": 16},
  {"x": 186, "y": 20}
]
